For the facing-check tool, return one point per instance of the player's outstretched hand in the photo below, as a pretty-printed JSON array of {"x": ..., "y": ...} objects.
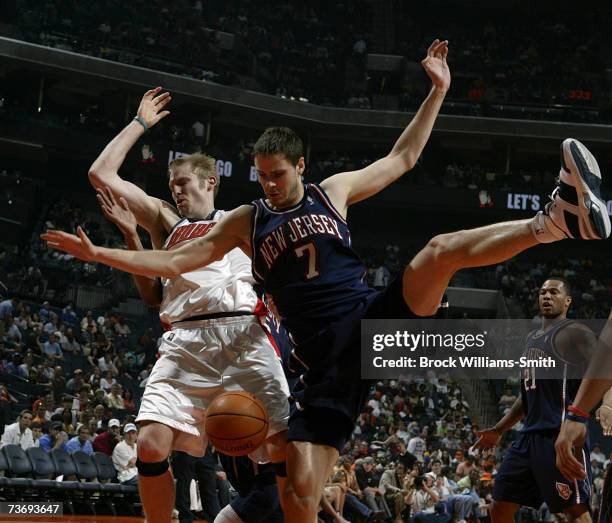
[
  {"x": 487, "y": 439},
  {"x": 117, "y": 212},
  {"x": 571, "y": 437},
  {"x": 79, "y": 246},
  {"x": 151, "y": 105},
  {"x": 435, "y": 64},
  {"x": 604, "y": 413}
]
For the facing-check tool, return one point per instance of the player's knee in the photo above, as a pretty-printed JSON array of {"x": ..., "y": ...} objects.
[
  {"x": 276, "y": 447},
  {"x": 442, "y": 249},
  {"x": 151, "y": 450},
  {"x": 300, "y": 508}
]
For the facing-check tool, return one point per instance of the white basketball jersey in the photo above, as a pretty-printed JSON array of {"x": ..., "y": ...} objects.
[{"x": 223, "y": 286}]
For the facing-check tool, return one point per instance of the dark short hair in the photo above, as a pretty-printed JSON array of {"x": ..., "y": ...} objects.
[
  {"x": 566, "y": 284},
  {"x": 35, "y": 425},
  {"x": 279, "y": 140},
  {"x": 26, "y": 411}
]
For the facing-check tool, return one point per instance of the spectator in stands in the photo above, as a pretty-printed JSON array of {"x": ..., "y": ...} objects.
[
  {"x": 424, "y": 501},
  {"x": 128, "y": 401},
  {"x": 58, "y": 381},
  {"x": 416, "y": 445},
  {"x": 52, "y": 349},
  {"x": 77, "y": 382},
  {"x": 70, "y": 345},
  {"x": 125, "y": 455},
  {"x": 55, "y": 439},
  {"x": 19, "y": 433},
  {"x": 5, "y": 398},
  {"x": 465, "y": 467},
  {"x": 106, "y": 441},
  {"x": 40, "y": 416},
  {"x": 37, "y": 433},
  {"x": 67, "y": 421},
  {"x": 11, "y": 331},
  {"x": 598, "y": 455},
  {"x": 107, "y": 381},
  {"x": 7, "y": 307},
  {"x": 68, "y": 316},
  {"x": 368, "y": 484},
  {"x": 114, "y": 399},
  {"x": 392, "y": 487},
  {"x": 80, "y": 442}
]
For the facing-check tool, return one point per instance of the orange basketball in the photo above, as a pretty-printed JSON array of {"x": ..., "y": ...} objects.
[{"x": 236, "y": 423}]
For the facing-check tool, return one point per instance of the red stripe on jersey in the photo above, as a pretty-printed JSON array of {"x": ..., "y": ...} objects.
[{"x": 271, "y": 339}]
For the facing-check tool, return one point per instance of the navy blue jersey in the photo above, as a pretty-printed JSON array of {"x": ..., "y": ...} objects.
[
  {"x": 546, "y": 400},
  {"x": 303, "y": 258}
]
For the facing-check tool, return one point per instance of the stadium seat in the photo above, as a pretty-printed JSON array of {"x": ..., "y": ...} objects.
[
  {"x": 43, "y": 469},
  {"x": 64, "y": 466},
  {"x": 86, "y": 471},
  {"x": 19, "y": 466}
]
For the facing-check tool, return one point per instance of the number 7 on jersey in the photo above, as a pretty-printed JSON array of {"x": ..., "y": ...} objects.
[{"x": 310, "y": 251}]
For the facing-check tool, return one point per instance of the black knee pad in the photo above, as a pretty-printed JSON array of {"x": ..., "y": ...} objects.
[{"x": 152, "y": 469}]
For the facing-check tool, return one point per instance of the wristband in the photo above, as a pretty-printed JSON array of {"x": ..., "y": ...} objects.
[
  {"x": 142, "y": 122},
  {"x": 578, "y": 419},
  {"x": 578, "y": 412}
]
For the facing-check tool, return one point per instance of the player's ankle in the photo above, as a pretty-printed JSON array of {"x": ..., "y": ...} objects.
[{"x": 543, "y": 230}]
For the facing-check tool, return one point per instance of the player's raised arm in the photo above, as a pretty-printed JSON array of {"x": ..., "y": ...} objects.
[
  {"x": 149, "y": 211},
  {"x": 121, "y": 215},
  {"x": 231, "y": 232},
  {"x": 351, "y": 187}
]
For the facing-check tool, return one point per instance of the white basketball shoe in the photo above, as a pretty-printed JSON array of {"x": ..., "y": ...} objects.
[{"x": 577, "y": 209}]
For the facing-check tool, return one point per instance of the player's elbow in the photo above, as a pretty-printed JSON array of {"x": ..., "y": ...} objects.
[{"x": 94, "y": 176}]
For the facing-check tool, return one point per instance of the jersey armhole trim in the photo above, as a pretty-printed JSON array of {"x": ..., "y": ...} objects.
[
  {"x": 327, "y": 202},
  {"x": 254, "y": 217}
]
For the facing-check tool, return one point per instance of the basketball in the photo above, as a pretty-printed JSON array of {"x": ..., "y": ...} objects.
[{"x": 236, "y": 423}]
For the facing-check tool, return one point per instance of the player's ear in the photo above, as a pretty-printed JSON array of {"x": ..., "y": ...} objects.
[
  {"x": 212, "y": 182},
  {"x": 301, "y": 166}
]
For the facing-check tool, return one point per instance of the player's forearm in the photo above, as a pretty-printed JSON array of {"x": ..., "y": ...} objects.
[
  {"x": 148, "y": 288},
  {"x": 110, "y": 159},
  {"x": 144, "y": 263},
  {"x": 512, "y": 417},
  {"x": 412, "y": 141}
]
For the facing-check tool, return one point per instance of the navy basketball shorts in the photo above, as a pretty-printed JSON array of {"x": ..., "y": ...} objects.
[
  {"x": 330, "y": 394},
  {"x": 529, "y": 476}
]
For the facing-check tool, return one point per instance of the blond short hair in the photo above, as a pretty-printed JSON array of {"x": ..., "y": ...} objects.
[{"x": 203, "y": 166}]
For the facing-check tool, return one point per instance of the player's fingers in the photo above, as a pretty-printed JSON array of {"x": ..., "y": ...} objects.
[
  {"x": 163, "y": 103},
  {"x": 124, "y": 204},
  {"x": 103, "y": 205},
  {"x": 152, "y": 92},
  {"x": 433, "y": 45},
  {"x": 111, "y": 196},
  {"x": 102, "y": 198},
  {"x": 163, "y": 114},
  {"x": 161, "y": 98}
]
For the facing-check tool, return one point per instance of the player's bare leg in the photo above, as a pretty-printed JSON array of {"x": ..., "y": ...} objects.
[
  {"x": 156, "y": 491},
  {"x": 426, "y": 277},
  {"x": 576, "y": 211},
  {"x": 503, "y": 511},
  {"x": 276, "y": 450},
  {"x": 308, "y": 467}
]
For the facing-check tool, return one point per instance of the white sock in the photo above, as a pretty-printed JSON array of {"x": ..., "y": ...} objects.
[{"x": 544, "y": 231}]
